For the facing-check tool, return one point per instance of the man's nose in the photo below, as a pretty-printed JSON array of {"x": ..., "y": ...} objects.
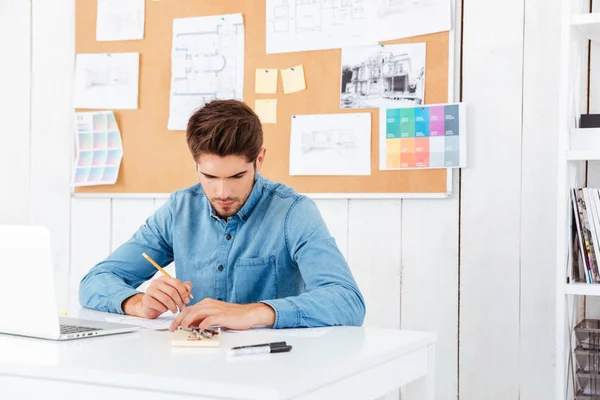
[{"x": 223, "y": 190}]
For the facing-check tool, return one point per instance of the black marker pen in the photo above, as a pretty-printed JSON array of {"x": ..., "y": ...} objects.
[{"x": 265, "y": 348}]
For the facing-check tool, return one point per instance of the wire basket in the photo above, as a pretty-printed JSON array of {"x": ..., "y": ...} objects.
[{"x": 587, "y": 334}]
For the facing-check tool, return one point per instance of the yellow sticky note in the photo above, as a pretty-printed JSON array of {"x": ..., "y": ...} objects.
[
  {"x": 293, "y": 79},
  {"x": 266, "y": 81},
  {"x": 266, "y": 109}
]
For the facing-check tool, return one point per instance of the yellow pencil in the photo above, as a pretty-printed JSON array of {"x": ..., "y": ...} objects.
[{"x": 165, "y": 273}]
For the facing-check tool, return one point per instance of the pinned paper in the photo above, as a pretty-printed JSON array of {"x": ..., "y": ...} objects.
[
  {"x": 293, "y": 79},
  {"x": 266, "y": 109},
  {"x": 99, "y": 149},
  {"x": 266, "y": 81}
]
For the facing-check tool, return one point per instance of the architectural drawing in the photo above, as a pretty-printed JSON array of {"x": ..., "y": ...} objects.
[
  {"x": 120, "y": 20},
  {"x": 108, "y": 81},
  {"x": 339, "y": 140},
  {"x": 299, "y": 25},
  {"x": 207, "y": 64},
  {"x": 331, "y": 144},
  {"x": 395, "y": 19},
  {"x": 375, "y": 77}
]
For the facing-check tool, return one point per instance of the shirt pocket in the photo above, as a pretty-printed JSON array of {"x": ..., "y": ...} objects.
[{"x": 255, "y": 279}]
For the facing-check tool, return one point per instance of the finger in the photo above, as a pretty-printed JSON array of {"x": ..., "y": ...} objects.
[
  {"x": 177, "y": 285},
  {"x": 177, "y": 321},
  {"x": 217, "y": 319},
  {"x": 197, "y": 316},
  {"x": 150, "y": 303},
  {"x": 188, "y": 285},
  {"x": 163, "y": 298},
  {"x": 172, "y": 293}
]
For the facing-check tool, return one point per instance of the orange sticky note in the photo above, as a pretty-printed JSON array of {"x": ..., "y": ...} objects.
[
  {"x": 266, "y": 109},
  {"x": 293, "y": 79},
  {"x": 266, "y": 81}
]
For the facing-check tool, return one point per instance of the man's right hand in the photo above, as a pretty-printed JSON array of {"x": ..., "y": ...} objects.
[{"x": 163, "y": 294}]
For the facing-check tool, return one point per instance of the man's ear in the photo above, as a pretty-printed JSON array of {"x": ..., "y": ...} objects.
[{"x": 260, "y": 159}]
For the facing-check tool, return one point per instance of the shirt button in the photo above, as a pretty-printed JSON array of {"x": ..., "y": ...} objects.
[
  {"x": 220, "y": 268},
  {"x": 245, "y": 218},
  {"x": 228, "y": 236}
]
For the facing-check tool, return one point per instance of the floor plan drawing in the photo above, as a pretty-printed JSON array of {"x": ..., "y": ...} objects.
[
  {"x": 300, "y": 25},
  {"x": 207, "y": 63}
]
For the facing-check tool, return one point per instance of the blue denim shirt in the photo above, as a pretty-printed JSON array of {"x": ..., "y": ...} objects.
[{"x": 276, "y": 249}]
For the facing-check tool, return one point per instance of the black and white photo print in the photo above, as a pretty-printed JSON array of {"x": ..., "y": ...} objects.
[{"x": 391, "y": 75}]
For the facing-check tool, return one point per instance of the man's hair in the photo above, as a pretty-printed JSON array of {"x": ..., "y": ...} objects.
[{"x": 225, "y": 127}]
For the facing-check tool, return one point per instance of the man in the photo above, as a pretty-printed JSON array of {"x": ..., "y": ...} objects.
[{"x": 251, "y": 252}]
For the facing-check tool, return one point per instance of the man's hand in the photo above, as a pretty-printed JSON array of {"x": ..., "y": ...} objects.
[
  {"x": 211, "y": 312},
  {"x": 163, "y": 294}
]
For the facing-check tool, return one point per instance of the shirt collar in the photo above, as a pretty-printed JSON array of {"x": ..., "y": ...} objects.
[{"x": 250, "y": 203}]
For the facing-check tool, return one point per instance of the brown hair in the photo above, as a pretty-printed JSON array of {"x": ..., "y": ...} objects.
[{"x": 225, "y": 127}]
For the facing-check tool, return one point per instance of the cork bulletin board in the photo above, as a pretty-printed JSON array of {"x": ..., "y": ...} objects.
[{"x": 157, "y": 160}]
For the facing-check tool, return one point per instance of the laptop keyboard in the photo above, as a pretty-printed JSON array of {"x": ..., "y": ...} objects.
[{"x": 66, "y": 329}]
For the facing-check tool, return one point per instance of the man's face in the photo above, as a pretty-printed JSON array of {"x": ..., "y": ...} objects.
[{"x": 227, "y": 181}]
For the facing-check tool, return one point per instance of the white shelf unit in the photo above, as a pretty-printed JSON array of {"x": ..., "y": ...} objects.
[{"x": 575, "y": 148}]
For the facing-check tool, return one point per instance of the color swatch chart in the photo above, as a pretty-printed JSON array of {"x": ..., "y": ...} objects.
[
  {"x": 432, "y": 136},
  {"x": 99, "y": 149}
]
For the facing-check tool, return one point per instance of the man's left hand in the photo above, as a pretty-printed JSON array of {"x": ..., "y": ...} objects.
[{"x": 209, "y": 312}]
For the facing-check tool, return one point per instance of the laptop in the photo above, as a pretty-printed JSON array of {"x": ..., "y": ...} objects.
[{"x": 27, "y": 290}]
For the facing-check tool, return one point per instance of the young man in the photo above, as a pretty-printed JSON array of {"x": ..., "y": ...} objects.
[{"x": 251, "y": 252}]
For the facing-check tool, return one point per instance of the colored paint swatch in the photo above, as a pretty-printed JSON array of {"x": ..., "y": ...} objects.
[
  {"x": 100, "y": 122},
  {"x": 99, "y": 149},
  {"x": 85, "y": 141},
  {"x": 429, "y": 136},
  {"x": 392, "y": 123},
  {"x": 422, "y": 122},
  {"x": 393, "y": 150},
  {"x": 114, "y": 140},
  {"x": 407, "y": 122}
]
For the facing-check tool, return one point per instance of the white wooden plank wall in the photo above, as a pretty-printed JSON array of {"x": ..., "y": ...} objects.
[
  {"x": 90, "y": 240},
  {"x": 51, "y": 137},
  {"x": 15, "y": 89},
  {"x": 429, "y": 282},
  {"x": 538, "y": 217},
  {"x": 491, "y": 200}
]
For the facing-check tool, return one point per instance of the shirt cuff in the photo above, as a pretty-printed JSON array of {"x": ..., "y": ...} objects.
[
  {"x": 116, "y": 303},
  {"x": 287, "y": 314}
]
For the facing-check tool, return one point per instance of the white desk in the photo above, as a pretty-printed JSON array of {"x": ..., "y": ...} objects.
[{"x": 327, "y": 363}]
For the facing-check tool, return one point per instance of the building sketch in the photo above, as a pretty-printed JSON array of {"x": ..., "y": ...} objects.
[
  {"x": 375, "y": 76},
  {"x": 388, "y": 7},
  {"x": 297, "y": 25},
  {"x": 331, "y": 144},
  {"x": 107, "y": 81},
  {"x": 112, "y": 76},
  {"x": 207, "y": 63},
  {"x": 339, "y": 140}
]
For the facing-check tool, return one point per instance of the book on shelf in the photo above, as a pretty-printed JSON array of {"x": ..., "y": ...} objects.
[{"x": 584, "y": 246}]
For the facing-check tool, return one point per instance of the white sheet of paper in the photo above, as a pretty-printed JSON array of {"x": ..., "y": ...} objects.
[
  {"x": 161, "y": 323},
  {"x": 107, "y": 80},
  {"x": 207, "y": 63},
  {"x": 331, "y": 144},
  {"x": 298, "y": 25},
  {"x": 99, "y": 149},
  {"x": 120, "y": 20},
  {"x": 406, "y": 18}
]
